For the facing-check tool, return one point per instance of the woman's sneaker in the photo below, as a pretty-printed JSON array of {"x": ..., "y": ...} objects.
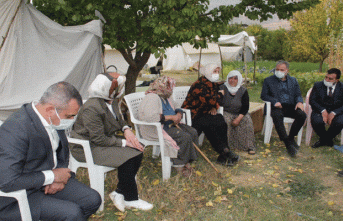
[
  {"x": 118, "y": 200},
  {"x": 138, "y": 204}
]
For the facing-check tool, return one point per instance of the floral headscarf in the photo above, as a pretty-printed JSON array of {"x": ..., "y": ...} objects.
[
  {"x": 207, "y": 71},
  {"x": 233, "y": 73},
  {"x": 162, "y": 86},
  {"x": 107, "y": 86}
]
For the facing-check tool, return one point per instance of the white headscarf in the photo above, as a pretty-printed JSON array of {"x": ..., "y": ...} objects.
[
  {"x": 208, "y": 69},
  {"x": 233, "y": 90},
  {"x": 101, "y": 86}
]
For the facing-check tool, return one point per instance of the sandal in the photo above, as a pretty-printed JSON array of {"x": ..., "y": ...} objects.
[{"x": 251, "y": 152}]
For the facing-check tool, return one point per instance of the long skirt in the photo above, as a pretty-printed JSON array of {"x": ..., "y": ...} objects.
[
  {"x": 241, "y": 137},
  {"x": 184, "y": 138}
]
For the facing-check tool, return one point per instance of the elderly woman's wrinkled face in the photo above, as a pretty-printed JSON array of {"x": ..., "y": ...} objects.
[
  {"x": 216, "y": 71},
  {"x": 233, "y": 81}
]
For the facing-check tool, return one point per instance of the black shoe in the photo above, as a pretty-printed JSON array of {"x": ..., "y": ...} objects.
[
  {"x": 232, "y": 156},
  {"x": 340, "y": 174},
  {"x": 291, "y": 150},
  {"x": 223, "y": 160},
  {"x": 329, "y": 143},
  {"x": 295, "y": 144},
  {"x": 319, "y": 143}
]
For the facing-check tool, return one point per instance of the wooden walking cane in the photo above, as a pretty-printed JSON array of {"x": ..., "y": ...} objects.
[{"x": 202, "y": 154}]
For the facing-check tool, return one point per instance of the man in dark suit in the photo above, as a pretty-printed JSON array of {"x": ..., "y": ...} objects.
[
  {"x": 34, "y": 155},
  {"x": 283, "y": 92},
  {"x": 326, "y": 101}
]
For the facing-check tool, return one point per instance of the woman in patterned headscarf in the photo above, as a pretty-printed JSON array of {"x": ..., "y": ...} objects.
[
  {"x": 158, "y": 106},
  {"x": 236, "y": 106},
  {"x": 202, "y": 100},
  {"x": 101, "y": 122}
]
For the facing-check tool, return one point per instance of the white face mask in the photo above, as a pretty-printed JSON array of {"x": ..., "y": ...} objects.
[
  {"x": 64, "y": 123},
  {"x": 279, "y": 74},
  {"x": 328, "y": 84},
  {"x": 214, "y": 78}
]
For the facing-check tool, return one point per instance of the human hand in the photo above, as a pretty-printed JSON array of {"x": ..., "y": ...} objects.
[
  {"x": 236, "y": 121},
  {"x": 213, "y": 111},
  {"x": 177, "y": 118},
  {"x": 132, "y": 141},
  {"x": 300, "y": 105},
  {"x": 222, "y": 92},
  {"x": 331, "y": 116},
  {"x": 325, "y": 116},
  {"x": 53, "y": 188},
  {"x": 62, "y": 175},
  {"x": 278, "y": 105}
]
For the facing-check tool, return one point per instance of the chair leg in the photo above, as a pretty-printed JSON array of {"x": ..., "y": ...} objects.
[
  {"x": 166, "y": 167},
  {"x": 309, "y": 131},
  {"x": 201, "y": 138},
  {"x": 300, "y": 134},
  {"x": 24, "y": 207},
  {"x": 97, "y": 182},
  {"x": 268, "y": 129}
]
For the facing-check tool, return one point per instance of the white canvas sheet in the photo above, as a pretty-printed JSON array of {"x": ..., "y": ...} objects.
[
  {"x": 39, "y": 52},
  {"x": 238, "y": 39}
]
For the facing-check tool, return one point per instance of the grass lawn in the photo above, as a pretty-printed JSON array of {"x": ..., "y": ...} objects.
[{"x": 267, "y": 186}]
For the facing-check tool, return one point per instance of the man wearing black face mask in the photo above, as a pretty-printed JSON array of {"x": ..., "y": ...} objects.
[
  {"x": 34, "y": 155},
  {"x": 326, "y": 101}
]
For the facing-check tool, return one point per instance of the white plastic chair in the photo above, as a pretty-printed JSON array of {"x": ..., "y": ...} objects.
[
  {"x": 21, "y": 197},
  {"x": 133, "y": 100},
  {"x": 268, "y": 125},
  {"x": 96, "y": 173},
  {"x": 179, "y": 96},
  {"x": 309, "y": 129}
]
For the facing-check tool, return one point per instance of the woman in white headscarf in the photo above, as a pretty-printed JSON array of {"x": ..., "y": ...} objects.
[
  {"x": 202, "y": 99},
  {"x": 236, "y": 106},
  {"x": 112, "y": 142}
]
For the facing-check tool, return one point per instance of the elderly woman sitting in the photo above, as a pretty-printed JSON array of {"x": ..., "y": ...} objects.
[
  {"x": 240, "y": 130},
  {"x": 158, "y": 106},
  {"x": 100, "y": 121},
  {"x": 203, "y": 100}
]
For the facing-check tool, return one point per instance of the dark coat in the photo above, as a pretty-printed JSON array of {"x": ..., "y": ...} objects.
[
  {"x": 319, "y": 94},
  {"x": 25, "y": 151},
  {"x": 270, "y": 90},
  {"x": 97, "y": 124}
]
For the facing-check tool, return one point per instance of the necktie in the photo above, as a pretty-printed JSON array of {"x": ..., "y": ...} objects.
[{"x": 330, "y": 91}]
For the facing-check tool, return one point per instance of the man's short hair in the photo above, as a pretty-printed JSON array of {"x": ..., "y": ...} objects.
[
  {"x": 335, "y": 71},
  {"x": 60, "y": 94},
  {"x": 282, "y": 62}
]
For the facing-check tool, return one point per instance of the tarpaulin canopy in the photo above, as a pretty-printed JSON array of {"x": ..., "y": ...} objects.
[
  {"x": 38, "y": 52},
  {"x": 241, "y": 39}
]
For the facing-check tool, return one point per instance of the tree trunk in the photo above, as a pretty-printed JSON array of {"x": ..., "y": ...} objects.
[
  {"x": 321, "y": 66},
  {"x": 131, "y": 78}
]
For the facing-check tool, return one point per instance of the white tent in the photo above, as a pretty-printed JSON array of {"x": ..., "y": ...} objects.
[
  {"x": 241, "y": 39},
  {"x": 235, "y": 53},
  {"x": 37, "y": 52}
]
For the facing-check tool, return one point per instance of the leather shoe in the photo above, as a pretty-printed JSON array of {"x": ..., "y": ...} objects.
[
  {"x": 232, "y": 156},
  {"x": 340, "y": 174},
  {"x": 223, "y": 160},
  {"x": 295, "y": 144},
  {"x": 291, "y": 150},
  {"x": 319, "y": 143}
]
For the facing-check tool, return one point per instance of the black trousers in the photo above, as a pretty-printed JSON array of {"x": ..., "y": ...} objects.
[
  {"x": 127, "y": 178},
  {"x": 75, "y": 202},
  {"x": 215, "y": 130},
  {"x": 287, "y": 110},
  {"x": 319, "y": 126}
]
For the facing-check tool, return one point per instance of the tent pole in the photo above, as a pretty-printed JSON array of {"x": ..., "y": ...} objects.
[
  {"x": 221, "y": 61},
  {"x": 245, "y": 62},
  {"x": 199, "y": 62},
  {"x": 9, "y": 27}
]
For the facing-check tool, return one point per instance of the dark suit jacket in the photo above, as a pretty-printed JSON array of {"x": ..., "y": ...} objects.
[
  {"x": 25, "y": 151},
  {"x": 319, "y": 93},
  {"x": 270, "y": 90}
]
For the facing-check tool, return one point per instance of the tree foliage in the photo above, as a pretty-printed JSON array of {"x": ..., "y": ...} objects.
[
  {"x": 139, "y": 28},
  {"x": 313, "y": 31}
]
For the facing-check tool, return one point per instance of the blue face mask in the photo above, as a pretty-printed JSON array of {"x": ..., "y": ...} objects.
[{"x": 64, "y": 123}]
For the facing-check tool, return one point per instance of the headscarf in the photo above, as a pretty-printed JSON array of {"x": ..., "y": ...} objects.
[
  {"x": 233, "y": 90},
  {"x": 162, "y": 86},
  {"x": 208, "y": 69},
  {"x": 107, "y": 86}
]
